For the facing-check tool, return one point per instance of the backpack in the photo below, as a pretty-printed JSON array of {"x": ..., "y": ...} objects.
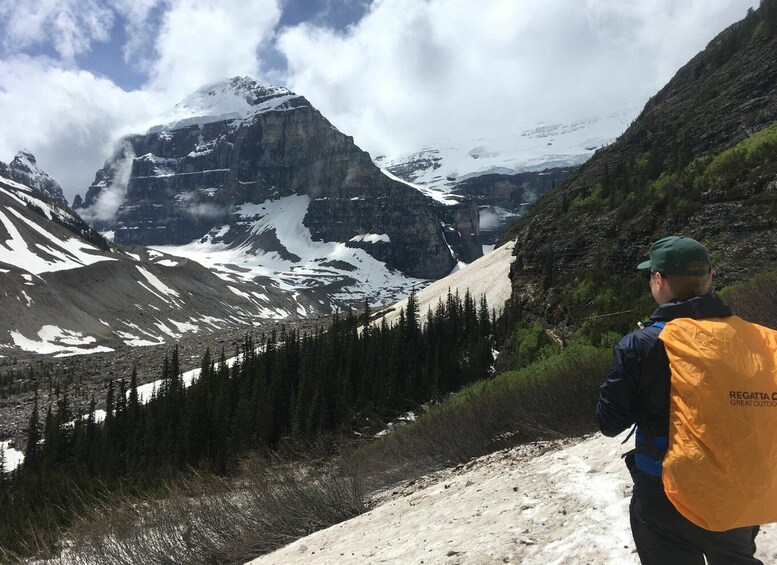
[{"x": 720, "y": 468}]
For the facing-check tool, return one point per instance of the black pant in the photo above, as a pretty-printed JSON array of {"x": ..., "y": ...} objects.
[{"x": 665, "y": 537}]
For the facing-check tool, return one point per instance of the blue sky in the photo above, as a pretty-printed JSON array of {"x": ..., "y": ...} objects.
[{"x": 76, "y": 75}]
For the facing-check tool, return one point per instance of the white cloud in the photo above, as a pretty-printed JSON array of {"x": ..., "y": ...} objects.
[
  {"x": 68, "y": 118},
  {"x": 413, "y": 72},
  {"x": 205, "y": 40},
  {"x": 110, "y": 198},
  {"x": 69, "y": 25},
  {"x": 140, "y": 29}
]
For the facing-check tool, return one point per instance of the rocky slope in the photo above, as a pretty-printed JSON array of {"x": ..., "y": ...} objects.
[
  {"x": 236, "y": 145},
  {"x": 668, "y": 173},
  {"x": 502, "y": 199},
  {"x": 65, "y": 291}
]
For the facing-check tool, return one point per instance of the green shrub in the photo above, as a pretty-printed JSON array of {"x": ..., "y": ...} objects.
[
  {"x": 553, "y": 397},
  {"x": 755, "y": 300},
  {"x": 587, "y": 202}
]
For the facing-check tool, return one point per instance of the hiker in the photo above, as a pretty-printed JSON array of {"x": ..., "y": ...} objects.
[{"x": 637, "y": 392}]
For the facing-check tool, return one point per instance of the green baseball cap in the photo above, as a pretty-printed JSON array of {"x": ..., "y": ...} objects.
[{"x": 678, "y": 255}]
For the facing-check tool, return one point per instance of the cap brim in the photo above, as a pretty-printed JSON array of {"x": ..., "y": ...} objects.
[{"x": 644, "y": 265}]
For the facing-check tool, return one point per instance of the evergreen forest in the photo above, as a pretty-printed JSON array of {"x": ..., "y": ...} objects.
[{"x": 350, "y": 378}]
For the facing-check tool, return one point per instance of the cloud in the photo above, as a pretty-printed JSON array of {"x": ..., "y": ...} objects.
[
  {"x": 107, "y": 203},
  {"x": 406, "y": 74},
  {"x": 141, "y": 27},
  {"x": 205, "y": 40},
  {"x": 68, "y": 118},
  {"x": 69, "y": 25},
  {"x": 411, "y": 73},
  {"x": 207, "y": 211},
  {"x": 71, "y": 118}
]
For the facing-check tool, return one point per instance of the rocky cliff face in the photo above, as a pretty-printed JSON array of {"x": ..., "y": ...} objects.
[
  {"x": 237, "y": 143},
  {"x": 501, "y": 199},
  {"x": 24, "y": 170},
  {"x": 672, "y": 171},
  {"x": 485, "y": 196}
]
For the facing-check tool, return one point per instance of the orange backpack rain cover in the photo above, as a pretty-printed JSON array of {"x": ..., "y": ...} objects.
[{"x": 720, "y": 469}]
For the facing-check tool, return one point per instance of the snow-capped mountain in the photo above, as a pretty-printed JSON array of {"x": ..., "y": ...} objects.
[
  {"x": 504, "y": 176},
  {"x": 255, "y": 183},
  {"x": 66, "y": 291},
  {"x": 237, "y": 100},
  {"x": 24, "y": 169},
  {"x": 444, "y": 164}
]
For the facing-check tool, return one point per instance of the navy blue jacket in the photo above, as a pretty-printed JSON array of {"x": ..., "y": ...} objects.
[{"x": 636, "y": 390}]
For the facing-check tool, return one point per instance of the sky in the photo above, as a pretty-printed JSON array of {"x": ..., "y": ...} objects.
[{"x": 397, "y": 75}]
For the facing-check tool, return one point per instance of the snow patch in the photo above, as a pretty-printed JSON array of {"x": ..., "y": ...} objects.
[
  {"x": 61, "y": 254},
  {"x": 562, "y": 502},
  {"x": 13, "y": 457},
  {"x": 233, "y": 100},
  {"x": 488, "y": 275},
  {"x": 436, "y": 168},
  {"x": 319, "y": 262},
  {"x": 55, "y": 340},
  {"x": 372, "y": 238},
  {"x": 158, "y": 284}
]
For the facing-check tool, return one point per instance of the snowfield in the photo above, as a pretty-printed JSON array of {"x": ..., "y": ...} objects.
[
  {"x": 436, "y": 168},
  {"x": 488, "y": 275},
  {"x": 563, "y": 502},
  {"x": 300, "y": 263}
]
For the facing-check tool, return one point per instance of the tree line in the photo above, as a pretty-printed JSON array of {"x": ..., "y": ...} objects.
[{"x": 353, "y": 376}]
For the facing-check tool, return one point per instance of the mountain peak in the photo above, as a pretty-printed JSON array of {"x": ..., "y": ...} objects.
[
  {"x": 25, "y": 170},
  {"x": 236, "y": 98},
  {"x": 25, "y": 155}
]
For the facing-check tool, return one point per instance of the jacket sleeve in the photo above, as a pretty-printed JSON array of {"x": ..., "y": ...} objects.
[{"x": 616, "y": 408}]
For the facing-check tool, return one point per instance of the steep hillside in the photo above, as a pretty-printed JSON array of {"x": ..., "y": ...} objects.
[
  {"x": 701, "y": 160},
  {"x": 65, "y": 291}
]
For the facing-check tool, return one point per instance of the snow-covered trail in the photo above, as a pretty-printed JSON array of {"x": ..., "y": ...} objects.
[{"x": 563, "y": 502}]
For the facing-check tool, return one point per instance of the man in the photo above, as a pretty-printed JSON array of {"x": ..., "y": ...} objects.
[{"x": 637, "y": 391}]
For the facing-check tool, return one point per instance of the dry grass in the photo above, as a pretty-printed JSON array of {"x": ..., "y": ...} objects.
[{"x": 208, "y": 520}]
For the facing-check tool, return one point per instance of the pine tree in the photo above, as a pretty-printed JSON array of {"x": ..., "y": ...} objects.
[
  {"x": 484, "y": 317},
  {"x": 366, "y": 314},
  {"x": 2, "y": 470},
  {"x": 32, "y": 453}
]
